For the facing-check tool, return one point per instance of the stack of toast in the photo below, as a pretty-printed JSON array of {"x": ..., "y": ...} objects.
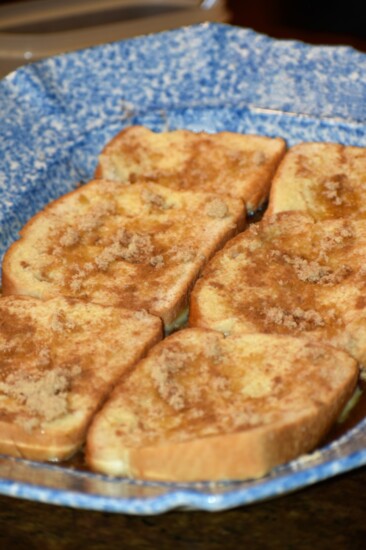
[{"x": 277, "y": 329}]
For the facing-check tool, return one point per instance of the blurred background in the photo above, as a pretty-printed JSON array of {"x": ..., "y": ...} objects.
[
  {"x": 32, "y": 29},
  {"x": 314, "y": 21}
]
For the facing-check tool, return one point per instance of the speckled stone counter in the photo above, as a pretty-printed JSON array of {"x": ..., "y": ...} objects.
[{"x": 331, "y": 514}]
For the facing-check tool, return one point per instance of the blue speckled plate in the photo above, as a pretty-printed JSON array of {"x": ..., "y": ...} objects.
[{"x": 55, "y": 117}]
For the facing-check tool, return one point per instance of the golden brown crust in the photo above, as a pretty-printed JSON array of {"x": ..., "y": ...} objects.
[
  {"x": 239, "y": 165},
  {"x": 220, "y": 408}
]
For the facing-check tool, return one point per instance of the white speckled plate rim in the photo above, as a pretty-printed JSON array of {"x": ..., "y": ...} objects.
[{"x": 55, "y": 117}]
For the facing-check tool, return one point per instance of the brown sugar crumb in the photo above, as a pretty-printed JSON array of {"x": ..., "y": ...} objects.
[
  {"x": 345, "y": 233},
  {"x": 164, "y": 373},
  {"x": 307, "y": 271},
  {"x": 154, "y": 199},
  {"x": 93, "y": 219},
  {"x": 44, "y": 395},
  {"x": 79, "y": 275},
  {"x": 76, "y": 284},
  {"x": 333, "y": 188},
  {"x": 70, "y": 237},
  {"x": 157, "y": 261},
  {"x": 183, "y": 255},
  {"x": 108, "y": 255},
  {"x": 334, "y": 240},
  {"x": 310, "y": 271},
  {"x": 139, "y": 248},
  {"x": 168, "y": 389},
  {"x": 131, "y": 247},
  {"x": 89, "y": 223},
  {"x": 216, "y": 208},
  {"x": 141, "y": 314},
  {"x": 298, "y": 319}
]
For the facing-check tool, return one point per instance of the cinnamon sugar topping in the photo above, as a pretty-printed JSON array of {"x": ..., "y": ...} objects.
[
  {"x": 311, "y": 271},
  {"x": 164, "y": 374},
  {"x": 44, "y": 395},
  {"x": 299, "y": 318},
  {"x": 157, "y": 261},
  {"x": 128, "y": 246},
  {"x": 154, "y": 199},
  {"x": 70, "y": 237},
  {"x": 333, "y": 188}
]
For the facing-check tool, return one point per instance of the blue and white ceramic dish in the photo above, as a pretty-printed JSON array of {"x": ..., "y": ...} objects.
[{"x": 55, "y": 117}]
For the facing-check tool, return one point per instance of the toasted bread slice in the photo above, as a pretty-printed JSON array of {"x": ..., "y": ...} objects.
[
  {"x": 59, "y": 360},
  {"x": 218, "y": 408},
  {"x": 289, "y": 275},
  {"x": 139, "y": 247},
  {"x": 227, "y": 163},
  {"x": 325, "y": 180}
]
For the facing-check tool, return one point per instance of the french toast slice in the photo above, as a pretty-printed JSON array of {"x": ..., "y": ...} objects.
[
  {"x": 225, "y": 162},
  {"x": 289, "y": 275},
  {"x": 217, "y": 408},
  {"x": 140, "y": 247},
  {"x": 325, "y": 180},
  {"x": 59, "y": 361}
]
